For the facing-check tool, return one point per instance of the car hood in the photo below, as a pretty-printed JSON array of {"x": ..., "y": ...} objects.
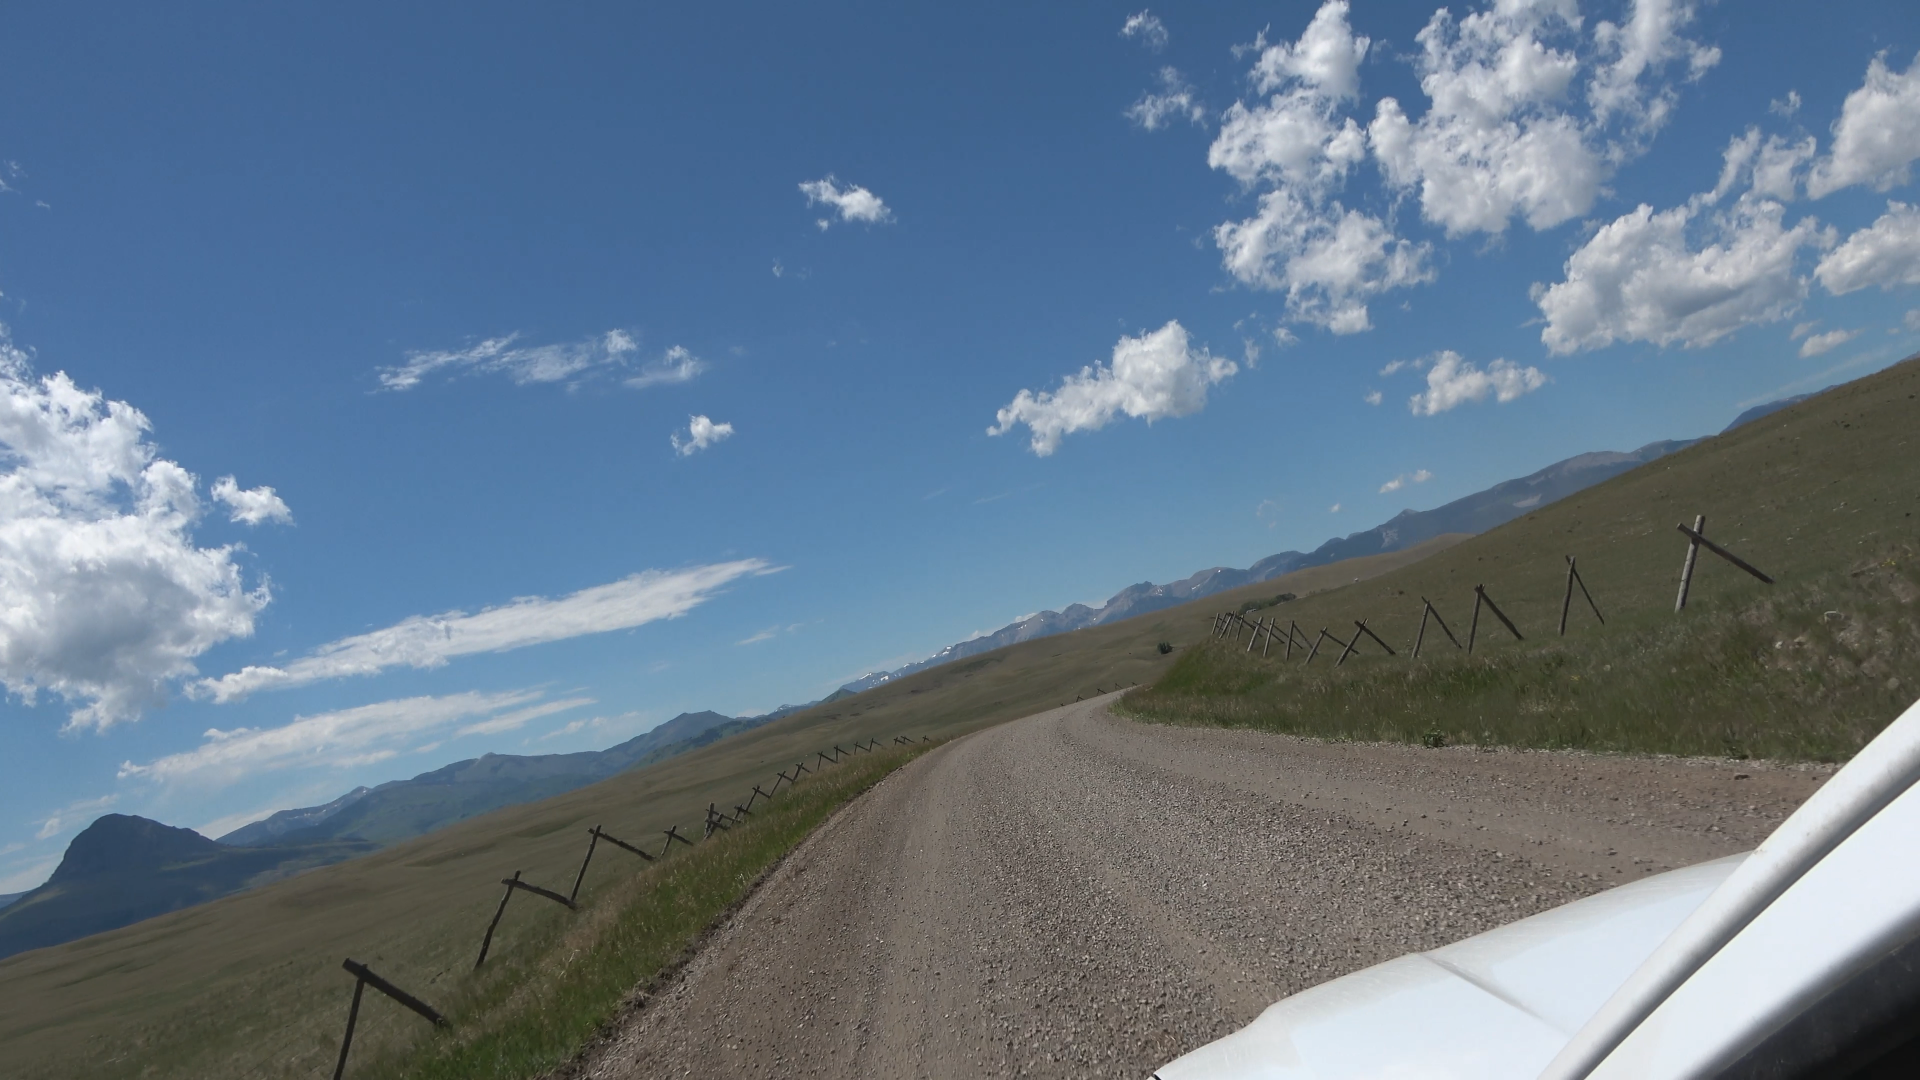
[{"x": 1500, "y": 1004}]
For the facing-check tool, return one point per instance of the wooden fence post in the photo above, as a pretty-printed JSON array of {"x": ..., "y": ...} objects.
[
  {"x": 594, "y": 833},
  {"x": 1473, "y": 628},
  {"x": 1481, "y": 592},
  {"x": 1348, "y": 651},
  {"x": 353, "y": 1017},
  {"x": 1573, "y": 578},
  {"x": 1686, "y": 568},
  {"x": 1315, "y": 651},
  {"x": 485, "y": 942},
  {"x": 1362, "y": 624}
]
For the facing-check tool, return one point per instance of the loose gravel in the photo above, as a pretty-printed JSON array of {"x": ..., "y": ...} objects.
[{"x": 1077, "y": 895}]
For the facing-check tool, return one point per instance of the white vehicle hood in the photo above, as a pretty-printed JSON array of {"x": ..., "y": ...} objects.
[{"x": 1500, "y": 1004}]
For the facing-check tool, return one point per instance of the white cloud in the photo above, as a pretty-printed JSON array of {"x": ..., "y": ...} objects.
[
  {"x": 1770, "y": 169},
  {"x": 251, "y": 505},
  {"x": 21, "y": 877},
  {"x": 1877, "y": 136},
  {"x": 701, "y": 433},
  {"x": 1328, "y": 260},
  {"x": 104, "y": 597},
  {"x": 1649, "y": 42},
  {"x": 677, "y": 366},
  {"x": 519, "y": 718},
  {"x": 1832, "y": 339},
  {"x": 1787, "y": 106},
  {"x": 427, "y": 641},
  {"x": 1151, "y": 377},
  {"x": 1373, "y": 397},
  {"x": 765, "y": 635},
  {"x": 1453, "y": 381},
  {"x": 1334, "y": 509},
  {"x": 1495, "y": 140},
  {"x": 1399, "y": 365},
  {"x": 1147, "y": 28},
  {"x": 340, "y": 739},
  {"x": 1886, "y": 253},
  {"x": 1175, "y": 101},
  {"x": 1327, "y": 57},
  {"x": 1503, "y": 134},
  {"x": 1418, "y": 476},
  {"x": 1801, "y": 330},
  {"x": 528, "y": 364},
  {"x": 1640, "y": 279},
  {"x": 853, "y": 202},
  {"x": 1292, "y": 139}
]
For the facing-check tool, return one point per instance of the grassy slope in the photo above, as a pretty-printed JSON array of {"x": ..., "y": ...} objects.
[
  {"x": 250, "y": 985},
  {"x": 1823, "y": 496}
]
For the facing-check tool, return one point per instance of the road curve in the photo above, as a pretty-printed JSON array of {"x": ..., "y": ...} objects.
[{"x": 1074, "y": 894}]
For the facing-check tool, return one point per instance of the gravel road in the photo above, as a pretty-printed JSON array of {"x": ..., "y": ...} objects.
[{"x": 1074, "y": 894}]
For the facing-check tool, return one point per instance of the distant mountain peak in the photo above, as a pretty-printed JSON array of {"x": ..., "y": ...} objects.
[{"x": 117, "y": 843}]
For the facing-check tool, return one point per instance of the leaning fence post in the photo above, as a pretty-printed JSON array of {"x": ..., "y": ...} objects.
[
  {"x": 672, "y": 835},
  {"x": 353, "y": 1017},
  {"x": 1362, "y": 624},
  {"x": 582, "y": 876},
  {"x": 1315, "y": 651},
  {"x": 1686, "y": 568},
  {"x": 487, "y": 942},
  {"x": 1425, "y": 610},
  {"x": 1481, "y": 591},
  {"x": 1344, "y": 653}
]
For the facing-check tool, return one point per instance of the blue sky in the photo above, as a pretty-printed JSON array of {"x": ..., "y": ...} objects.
[{"x": 385, "y": 388}]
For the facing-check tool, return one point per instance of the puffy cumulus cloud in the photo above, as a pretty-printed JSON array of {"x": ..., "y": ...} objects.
[
  {"x": 1327, "y": 57},
  {"x": 1453, "y": 381},
  {"x": 1504, "y": 134},
  {"x": 1495, "y": 140},
  {"x": 1641, "y": 279},
  {"x": 1293, "y": 139},
  {"x": 1373, "y": 397},
  {"x": 1877, "y": 136},
  {"x": 1146, "y": 28},
  {"x": 105, "y": 598},
  {"x": 529, "y": 364},
  {"x": 1175, "y": 101},
  {"x": 701, "y": 433},
  {"x": 345, "y": 737},
  {"x": 852, "y": 203},
  {"x": 428, "y": 641},
  {"x": 1827, "y": 342},
  {"x": 1151, "y": 377},
  {"x": 253, "y": 506},
  {"x": 1327, "y": 259},
  {"x": 1885, "y": 253},
  {"x": 677, "y": 366}
]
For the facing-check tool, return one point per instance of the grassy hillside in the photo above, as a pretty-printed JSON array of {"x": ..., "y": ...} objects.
[
  {"x": 1822, "y": 496},
  {"x": 251, "y": 986}
]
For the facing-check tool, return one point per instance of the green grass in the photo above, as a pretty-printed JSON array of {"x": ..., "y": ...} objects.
[
  {"x": 1823, "y": 496},
  {"x": 534, "y": 1008},
  {"x": 1774, "y": 678}
]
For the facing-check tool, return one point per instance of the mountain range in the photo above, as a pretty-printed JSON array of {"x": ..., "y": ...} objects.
[
  {"x": 1475, "y": 513},
  {"x": 122, "y": 869}
]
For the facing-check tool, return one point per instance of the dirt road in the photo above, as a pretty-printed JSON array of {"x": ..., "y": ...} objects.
[{"x": 1078, "y": 895}]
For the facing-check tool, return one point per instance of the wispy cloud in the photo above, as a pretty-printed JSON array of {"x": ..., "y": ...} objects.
[
  {"x": 71, "y": 816},
  {"x": 1146, "y": 28},
  {"x": 1418, "y": 476},
  {"x": 608, "y": 353},
  {"x": 1820, "y": 343},
  {"x": 426, "y": 641},
  {"x": 343, "y": 738}
]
